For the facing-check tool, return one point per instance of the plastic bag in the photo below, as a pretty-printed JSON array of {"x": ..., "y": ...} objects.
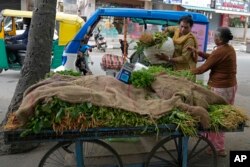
[{"x": 167, "y": 48}]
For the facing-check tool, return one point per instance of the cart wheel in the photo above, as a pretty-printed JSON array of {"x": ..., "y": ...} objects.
[
  {"x": 1, "y": 70},
  {"x": 96, "y": 154},
  {"x": 165, "y": 153}
]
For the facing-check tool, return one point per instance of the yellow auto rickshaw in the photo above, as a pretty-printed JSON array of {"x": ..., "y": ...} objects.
[{"x": 66, "y": 26}]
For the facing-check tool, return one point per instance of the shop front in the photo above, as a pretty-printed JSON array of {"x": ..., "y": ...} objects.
[
  {"x": 228, "y": 13},
  {"x": 119, "y": 3},
  {"x": 234, "y": 14},
  {"x": 172, "y": 5},
  {"x": 203, "y": 7},
  {"x": 10, "y": 4},
  {"x": 88, "y": 7}
]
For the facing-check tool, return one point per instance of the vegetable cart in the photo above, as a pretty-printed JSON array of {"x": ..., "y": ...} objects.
[{"x": 91, "y": 147}]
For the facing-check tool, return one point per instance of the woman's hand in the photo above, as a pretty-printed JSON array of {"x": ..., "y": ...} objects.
[
  {"x": 165, "y": 30},
  {"x": 162, "y": 56},
  {"x": 192, "y": 49}
]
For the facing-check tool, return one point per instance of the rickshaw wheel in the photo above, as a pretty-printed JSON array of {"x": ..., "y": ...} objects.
[
  {"x": 1, "y": 70},
  {"x": 96, "y": 153},
  {"x": 167, "y": 152}
]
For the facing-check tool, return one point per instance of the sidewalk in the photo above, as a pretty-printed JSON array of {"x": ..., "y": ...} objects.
[{"x": 238, "y": 46}]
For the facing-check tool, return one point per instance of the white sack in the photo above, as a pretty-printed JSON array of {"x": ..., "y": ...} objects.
[{"x": 167, "y": 48}]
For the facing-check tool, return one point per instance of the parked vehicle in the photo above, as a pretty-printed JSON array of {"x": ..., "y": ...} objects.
[
  {"x": 20, "y": 27},
  {"x": 67, "y": 25},
  {"x": 18, "y": 23},
  {"x": 100, "y": 41},
  {"x": 135, "y": 22}
]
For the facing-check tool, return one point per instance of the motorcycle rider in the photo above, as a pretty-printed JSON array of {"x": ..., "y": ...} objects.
[
  {"x": 82, "y": 60},
  {"x": 81, "y": 63},
  {"x": 12, "y": 44},
  {"x": 99, "y": 41}
]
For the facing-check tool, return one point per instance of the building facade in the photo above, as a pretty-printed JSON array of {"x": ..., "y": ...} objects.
[
  {"x": 231, "y": 13},
  {"x": 10, "y": 4}
]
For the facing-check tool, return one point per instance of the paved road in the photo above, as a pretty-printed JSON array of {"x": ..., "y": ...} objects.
[{"x": 234, "y": 141}]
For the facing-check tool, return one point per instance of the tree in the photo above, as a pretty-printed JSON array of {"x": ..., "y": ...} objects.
[{"x": 38, "y": 58}]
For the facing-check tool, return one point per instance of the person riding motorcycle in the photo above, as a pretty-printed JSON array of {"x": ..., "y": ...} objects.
[
  {"x": 100, "y": 42},
  {"x": 12, "y": 44},
  {"x": 82, "y": 61}
]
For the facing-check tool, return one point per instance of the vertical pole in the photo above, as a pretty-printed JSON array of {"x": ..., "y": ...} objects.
[
  {"x": 185, "y": 151},
  {"x": 245, "y": 29},
  {"x": 125, "y": 23},
  {"x": 79, "y": 153}
]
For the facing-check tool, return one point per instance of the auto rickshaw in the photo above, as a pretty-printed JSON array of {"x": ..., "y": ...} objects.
[
  {"x": 66, "y": 26},
  {"x": 127, "y": 24}
]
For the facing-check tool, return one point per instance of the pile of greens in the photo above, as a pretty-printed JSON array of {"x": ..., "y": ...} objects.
[
  {"x": 63, "y": 116},
  {"x": 144, "y": 78},
  {"x": 147, "y": 40},
  {"x": 65, "y": 72},
  {"x": 226, "y": 117}
]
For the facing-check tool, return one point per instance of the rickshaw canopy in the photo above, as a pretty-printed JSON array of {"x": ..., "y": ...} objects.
[
  {"x": 69, "y": 23},
  {"x": 143, "y": 16}
]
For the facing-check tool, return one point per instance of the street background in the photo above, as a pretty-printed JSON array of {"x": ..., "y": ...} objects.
[{"x": 234, "y": 140}]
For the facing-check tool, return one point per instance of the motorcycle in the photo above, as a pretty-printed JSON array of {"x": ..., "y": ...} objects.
[{"x": 100, "y": 42}]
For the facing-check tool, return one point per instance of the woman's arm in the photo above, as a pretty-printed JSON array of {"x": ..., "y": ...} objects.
[
  {"x": 170, "y": 29},
  {"x": 209, "y": 63},
  {"x": 199, "y": 53}
]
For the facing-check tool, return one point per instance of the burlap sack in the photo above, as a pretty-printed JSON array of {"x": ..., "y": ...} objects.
[{"x": 167, "y": 92}]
